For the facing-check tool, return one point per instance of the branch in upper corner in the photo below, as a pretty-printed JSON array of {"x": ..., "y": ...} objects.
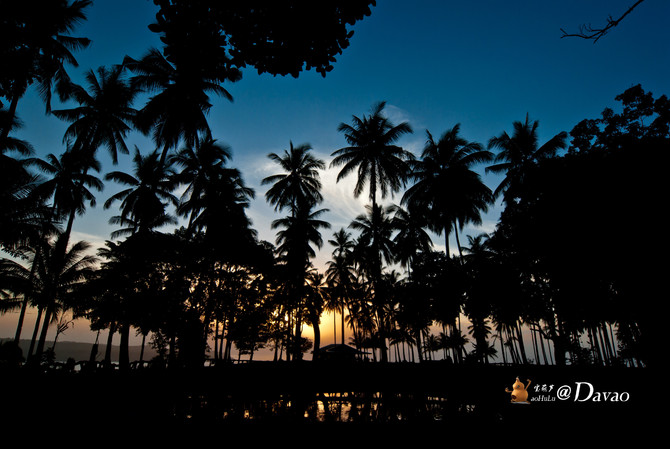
[{"x": 587, "y": 32}]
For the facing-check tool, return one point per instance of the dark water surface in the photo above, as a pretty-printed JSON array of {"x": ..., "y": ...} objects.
[{"x": 259, "y": 398}]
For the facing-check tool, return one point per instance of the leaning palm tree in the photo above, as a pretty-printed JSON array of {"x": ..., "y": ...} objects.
[
  {"x": 519, "y": 150},
  {"x": 150, "y": 190},
  {"x": 446, "y": 188},
  {"x": 372, "y": 152},
  {"x": 299, "y": 185}
]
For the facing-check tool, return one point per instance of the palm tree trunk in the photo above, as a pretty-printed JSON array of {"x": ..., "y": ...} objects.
[
  {"x": 108, "y": 348},
  {"x": 522, "y": 349},
  {"x": 45, "y": 327},
  {"x": 144, "y": 339},
  {"x": 317, "y": 338},
  {"x": 343, "y": 323},
  {"x": 458, "y": 242},
  {"x": 124, "y": 356},
  {"x": 24, "y": 305}
]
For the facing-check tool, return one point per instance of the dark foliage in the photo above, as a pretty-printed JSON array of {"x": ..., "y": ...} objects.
[{"x": 286, "y": 37}]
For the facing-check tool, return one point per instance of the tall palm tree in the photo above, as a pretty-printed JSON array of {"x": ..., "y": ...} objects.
[
  {"x": 150, "y": 190},
  {"x": 372, "y": 152},
  {"x": 299, "y": 185},
  {"x": 104, "y": 115},
  {"x": 374, "y": 247},
  {"x": 178, "y": 110},
  {"x": 39, "y": 49},
  {"x": 340, "y": 275},
  {"x": 295, "y": 238},
  {"x": 445, "y": 185},
  {"x": 314, "y": 305},
  {"x": 519, "y": 150}
]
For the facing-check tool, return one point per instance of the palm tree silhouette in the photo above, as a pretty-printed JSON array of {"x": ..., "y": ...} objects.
[
  {"x": 446, "y": 188},
  {"x": 519, "y": 150},
  {"x": 374, "y": 247},
  {"x": 297, "y": 189},
  {"x": 295, "y": 238},
  {"x": 216, "y": 196},
  {"x": 340, "y": 275},
  {"x": 104, "y": 115},
  {"x": 380, "y": 163},
  {"x": 41, "y": 49},
  {"x": 200, "y": 165},
  {"x": 300, "y": 185},
  {"x": 178, "y": 110},
  {"x": 56, "y": 276},
  {"x": 411, "y": 236},
  {"x": 69, "y": 185},
  {"x": 150, "y": 190},
  {"x": 25, "y": 215}
]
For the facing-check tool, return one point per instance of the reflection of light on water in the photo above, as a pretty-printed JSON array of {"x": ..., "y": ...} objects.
[{"x": 344, "y": 407}]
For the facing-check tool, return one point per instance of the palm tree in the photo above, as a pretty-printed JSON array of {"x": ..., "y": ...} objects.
[
  {"x": 56, "y": 276},
  {"x": 380, "y": 163},
  {"x": 143, "y": 203},
  {"x": 446, "y": 187},
  {"x": 375, "y": 242},
  {"x": 39, "y": 50},
  {"x": 314, "y": 305},
  {"x": 294, "y": 244},
  {"x": 219, "y": 210},
  {"x": 25, "y": 214},
  {"x": 411, "y": 236},
  {"x": 519, "y": 150},
  {"x": 104, "y": 115},
  {"x": 340, "y": 274},
  {"x": 374, "y": 247},
  {"x": 201, "y": 164},
  {"x": 216, "y": 196},
  {"x": 300, "y": 185},
  {"x": 179, "y": 108},
  {"x": 69, "y": 185}
]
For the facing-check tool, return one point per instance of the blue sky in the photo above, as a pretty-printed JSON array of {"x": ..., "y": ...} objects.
[{"x": 481, "y": 63}]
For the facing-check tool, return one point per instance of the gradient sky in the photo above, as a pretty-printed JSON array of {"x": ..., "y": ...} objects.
[{"x": 481, "y": 63}]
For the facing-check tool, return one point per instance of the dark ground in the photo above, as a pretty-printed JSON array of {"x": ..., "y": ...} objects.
[{"x": 210, "y": 403}]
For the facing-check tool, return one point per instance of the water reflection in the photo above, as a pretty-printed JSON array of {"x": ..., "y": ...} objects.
[{"x": 345, "y": 407}]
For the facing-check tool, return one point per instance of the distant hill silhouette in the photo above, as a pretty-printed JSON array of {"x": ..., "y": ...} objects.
[{"x": 82, "y": 351}]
